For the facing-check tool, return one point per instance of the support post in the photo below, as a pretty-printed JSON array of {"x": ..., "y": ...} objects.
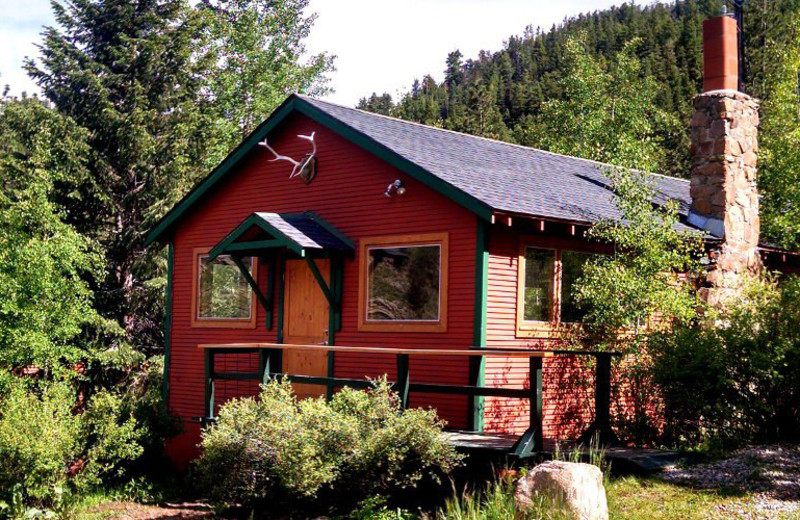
[
  {"x": 265, "y": 302},
  {"x": 601, "y": 426},
  {"x": 402, "y": 379}
]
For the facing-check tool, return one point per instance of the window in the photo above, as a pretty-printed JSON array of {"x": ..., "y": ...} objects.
[
  {"x": 546, "y": 281},
  {"x": 403, "y": 283},
  {"x": 221, "y": 296}
]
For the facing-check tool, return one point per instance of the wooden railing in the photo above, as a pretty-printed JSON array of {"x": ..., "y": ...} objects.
[{"x": 529, "y": 443}]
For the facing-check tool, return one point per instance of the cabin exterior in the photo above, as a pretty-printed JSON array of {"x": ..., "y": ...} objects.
[{"x": 396, "y": 235}]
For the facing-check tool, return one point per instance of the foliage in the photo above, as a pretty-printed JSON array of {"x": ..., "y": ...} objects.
[
  {"x": 738, "y": 381},
  {"x": 45, "y": 300},
  {"x": 607, "y": 114},
  {"x": 129, "y": 76},
  {"x": 651, "y": 256},
  {"x": 779, "y": 168},
  {"x": 375, "y": 508},
  {"x": 358, "y": 444},
  {"x": 496, "y": 502},
  {"x": 46, "y": 449},
  {"x": 260, "y": 52},
  {"x": 508, "y": 89}
]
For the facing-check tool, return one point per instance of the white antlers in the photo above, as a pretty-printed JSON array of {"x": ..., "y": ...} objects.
[{"x": 298, "y": 165}]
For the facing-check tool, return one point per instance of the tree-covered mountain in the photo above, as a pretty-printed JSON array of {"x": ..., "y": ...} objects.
[{"x": 561, "y": 89}]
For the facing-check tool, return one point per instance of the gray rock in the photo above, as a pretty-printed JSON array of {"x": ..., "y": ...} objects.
[{"x": 578, "y": 487}]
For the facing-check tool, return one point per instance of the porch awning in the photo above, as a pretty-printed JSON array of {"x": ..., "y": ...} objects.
[{"x": 301, "y": 233}]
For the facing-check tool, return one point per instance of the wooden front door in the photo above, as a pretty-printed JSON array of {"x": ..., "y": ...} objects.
[{"x": 305, "y": 322}]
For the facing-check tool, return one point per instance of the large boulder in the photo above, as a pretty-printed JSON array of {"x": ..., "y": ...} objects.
[{"x": 578, "y": 487}]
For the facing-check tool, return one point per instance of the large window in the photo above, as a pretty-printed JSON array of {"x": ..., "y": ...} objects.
[
  {"x": 546, "y": 281},
  {"x": 222, "y": 296},
  {"x": 404, "y": 283}
]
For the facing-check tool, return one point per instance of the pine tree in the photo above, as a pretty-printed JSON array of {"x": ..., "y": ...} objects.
[{"x": 129, "y": 75}]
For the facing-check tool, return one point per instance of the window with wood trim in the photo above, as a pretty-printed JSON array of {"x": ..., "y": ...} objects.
[
  {"x": 403, "y": 283},
  {"x": 221, "y": 297},
  {"x": 545, "y": 287}
]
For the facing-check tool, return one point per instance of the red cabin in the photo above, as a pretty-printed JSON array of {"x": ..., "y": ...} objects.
[{"x": 333, "y": 226}]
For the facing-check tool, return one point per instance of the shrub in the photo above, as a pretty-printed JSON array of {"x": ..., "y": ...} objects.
[
  {"x": 737, "y": 381},
  {"x": 281, "y": 448},
  {"x": 48, "y": 450}
]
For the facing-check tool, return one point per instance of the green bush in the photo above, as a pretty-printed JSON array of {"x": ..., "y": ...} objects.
[
  {"x": 737, "y": 381},
  {"x": 358, "y": 444},
  {"x": 49, "y": 449}
]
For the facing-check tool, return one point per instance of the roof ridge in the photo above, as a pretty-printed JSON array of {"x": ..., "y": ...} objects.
[{"x": 514, "y": 145}]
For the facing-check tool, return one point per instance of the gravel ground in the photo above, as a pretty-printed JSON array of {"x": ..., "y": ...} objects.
[{"x": 770, "y": 475}]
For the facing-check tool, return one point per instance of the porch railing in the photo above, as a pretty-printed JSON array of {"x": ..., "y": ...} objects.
[{"x": 528, "y": 444}]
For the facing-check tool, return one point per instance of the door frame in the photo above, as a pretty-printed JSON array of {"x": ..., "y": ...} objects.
[{"x": 332, "y": 290}]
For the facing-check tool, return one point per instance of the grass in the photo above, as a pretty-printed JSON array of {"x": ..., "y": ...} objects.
[{"x": 632, "y": 498}]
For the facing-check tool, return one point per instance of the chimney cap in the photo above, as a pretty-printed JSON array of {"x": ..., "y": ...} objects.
[{"x": 720, "y": 54}]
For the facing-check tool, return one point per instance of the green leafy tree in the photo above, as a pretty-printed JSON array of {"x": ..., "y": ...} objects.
[
  {"x": 45, "y": 264},
  {"x": 606, "y": 113},
  {"x": 653, "y": 266},
  {"x": 261, "y": 58},
  {"x": 777, "y": 84}
]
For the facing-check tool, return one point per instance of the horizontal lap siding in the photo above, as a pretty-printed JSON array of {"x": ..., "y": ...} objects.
[
  {"x": 348, "y": 193},
  {"x": 567, "y": 384}
]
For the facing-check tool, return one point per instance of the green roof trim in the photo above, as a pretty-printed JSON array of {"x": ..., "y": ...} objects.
[{"x": 296, "y": 103}]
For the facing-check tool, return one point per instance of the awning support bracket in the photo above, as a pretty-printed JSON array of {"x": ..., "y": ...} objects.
[{"x": 266, "y": 301}]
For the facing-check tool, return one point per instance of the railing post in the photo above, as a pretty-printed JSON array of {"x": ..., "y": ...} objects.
[
  {"x": 402, "y": 379},
  {"x": 533, "y": 438},
  {"x": 536, "y": 400},
  {"x": 209, "y": 372},
  {"x": 265, "y": 361},
  {"x": 602, "y": 393}
]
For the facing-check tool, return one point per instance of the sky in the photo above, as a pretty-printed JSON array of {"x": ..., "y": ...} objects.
[{"x": 381, "y": 45}]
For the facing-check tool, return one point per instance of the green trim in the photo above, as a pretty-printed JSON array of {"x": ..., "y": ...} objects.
[
  {"x": 252, "y": 246},
  {"x": 266, "y": 301},
  {"x": 478, "y": 365},
  {"x": 168, "y": 319},
  {"x": 280, "y": 239},
  {"x": 281, "y": 297},
  {"x": 366, "y": 142}
]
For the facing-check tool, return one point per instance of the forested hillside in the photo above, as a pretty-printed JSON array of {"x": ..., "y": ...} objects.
[{"x": 546, "y": 86}]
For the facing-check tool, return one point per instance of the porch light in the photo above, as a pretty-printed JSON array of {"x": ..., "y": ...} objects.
[{"x": 395, "y": 187}]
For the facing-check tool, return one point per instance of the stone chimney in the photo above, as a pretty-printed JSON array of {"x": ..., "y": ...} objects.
[{"x": 724, "y": 135}]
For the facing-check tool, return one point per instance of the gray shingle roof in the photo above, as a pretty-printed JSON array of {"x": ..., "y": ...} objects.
[
  {"x": 506, "y": 177},
  {"x": 304, "y": 230}
]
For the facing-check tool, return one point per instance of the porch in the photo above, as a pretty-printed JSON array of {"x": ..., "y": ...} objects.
[{"x": 531, "y": 442}]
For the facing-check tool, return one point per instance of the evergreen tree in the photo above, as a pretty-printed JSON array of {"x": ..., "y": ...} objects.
[
  {"x": 129, "y": 75},
  {"x": 382, "y": 104}
]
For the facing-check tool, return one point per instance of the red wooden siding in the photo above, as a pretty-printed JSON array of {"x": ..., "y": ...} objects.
[
  {"x": 348, "y": 193},
  {"x": 568, "y": 389}
]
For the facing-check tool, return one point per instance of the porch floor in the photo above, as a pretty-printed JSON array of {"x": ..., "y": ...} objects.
[{"x": 622, "y": 459}]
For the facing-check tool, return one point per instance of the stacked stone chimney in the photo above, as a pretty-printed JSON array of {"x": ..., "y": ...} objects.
[{"x": 724, "y": 133}]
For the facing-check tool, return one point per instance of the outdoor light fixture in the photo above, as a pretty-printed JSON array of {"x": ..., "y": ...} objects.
[{"x": 395, "y": 187}]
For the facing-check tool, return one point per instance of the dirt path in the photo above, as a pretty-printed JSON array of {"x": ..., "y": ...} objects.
[{"x": 134, "y": 511}]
